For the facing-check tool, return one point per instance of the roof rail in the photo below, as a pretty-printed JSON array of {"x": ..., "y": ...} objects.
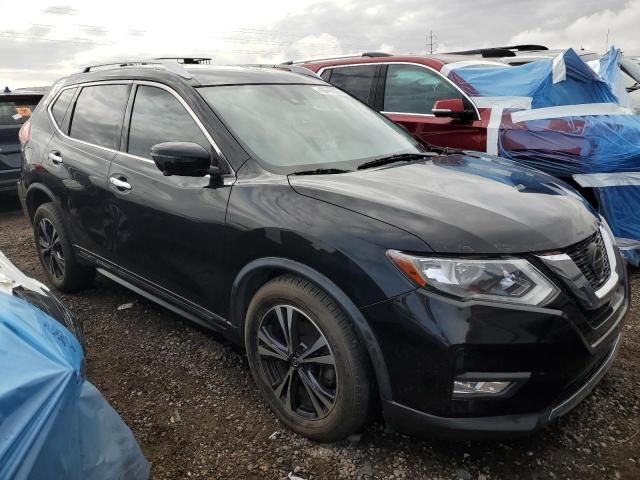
[
  {"x": 338, "y": 57},
  {"x": 508, "y": 51},
  {"x": 170, "y": 66},
  {"x": 376, "y": 54},
  {"x": 282, "y": 66},
  {"x": 526, "y": 47},
  {"x": 189, "y": 60}
]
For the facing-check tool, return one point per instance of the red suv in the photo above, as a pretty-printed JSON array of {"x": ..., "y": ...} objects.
[{"x": 413, "y": 92}]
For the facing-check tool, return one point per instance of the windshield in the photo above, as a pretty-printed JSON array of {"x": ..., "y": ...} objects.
[{"x": 304, "y": 127}]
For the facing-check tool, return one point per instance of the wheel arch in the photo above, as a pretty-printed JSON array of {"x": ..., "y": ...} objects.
[
  {"x": 37, "y": 194},
  {"x": 258, "y": 272}
]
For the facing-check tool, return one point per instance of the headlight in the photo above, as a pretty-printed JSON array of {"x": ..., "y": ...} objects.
[{"x": 506, "y": 280}]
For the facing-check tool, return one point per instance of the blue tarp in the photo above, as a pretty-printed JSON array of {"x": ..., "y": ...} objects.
[
  {"x": 548, "y": 82},
  {"x": 54, "y": 424},
  {"x": 574, "y": 124}
]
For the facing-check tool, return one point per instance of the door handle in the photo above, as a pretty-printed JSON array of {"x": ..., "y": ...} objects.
[
  {"x": 55, "y": 157},
  {"x": 120, "y": 183}
]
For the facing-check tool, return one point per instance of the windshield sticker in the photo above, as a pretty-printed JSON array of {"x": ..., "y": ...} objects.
[
  {"x": 329, "y": 91},
  {"x": 23, "y": 111},
  {"x": 17, "y": 116}
]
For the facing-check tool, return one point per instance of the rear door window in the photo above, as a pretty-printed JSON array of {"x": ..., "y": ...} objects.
[
  {"x": 415, "y": 89},
  {"x": 356, "y": 80},
  {"x": 97, "y": 117},
  {"x": 15, "y": 110},
  {"x": 159, "y": 117},
  {"x": 61, "y": 105}
]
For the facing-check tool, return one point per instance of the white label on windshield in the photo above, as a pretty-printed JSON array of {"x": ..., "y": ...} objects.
[
  {"x": 329, "y": 91},
  {"x": 17, "y": 116}
]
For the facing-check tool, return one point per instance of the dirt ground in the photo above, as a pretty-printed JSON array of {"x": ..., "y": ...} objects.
[{"x": 190, "y": 400}]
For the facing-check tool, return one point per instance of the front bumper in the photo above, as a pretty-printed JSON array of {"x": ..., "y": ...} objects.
[
  {"x": 555, "y": 356},
  {"x": 409, "y": 420}
]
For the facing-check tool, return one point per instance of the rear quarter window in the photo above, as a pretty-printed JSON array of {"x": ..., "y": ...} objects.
[{"x": 61, "y": 105}]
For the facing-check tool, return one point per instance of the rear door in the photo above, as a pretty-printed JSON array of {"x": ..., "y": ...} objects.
[
  {"x": 407, "y": 93},
  {"x": 15, "y": 110},
  {"x": 166, "y": 231},
  {"x": 77, "y": 159}
]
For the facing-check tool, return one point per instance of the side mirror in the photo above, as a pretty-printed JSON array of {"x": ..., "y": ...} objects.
[
  {"x": 452, "y": 108},
  {"x": 184, "y": 159}
]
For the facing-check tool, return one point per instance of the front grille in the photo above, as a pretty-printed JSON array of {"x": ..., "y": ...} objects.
[{"x": 582, "y": 255}]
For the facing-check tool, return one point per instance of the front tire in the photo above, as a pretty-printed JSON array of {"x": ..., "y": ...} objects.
[
  {"x": 307, "y": 360},
  {"x": 56, "y": 252}
]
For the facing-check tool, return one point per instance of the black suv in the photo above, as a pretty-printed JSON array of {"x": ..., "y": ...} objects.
[{"x": 470, "y": 295}]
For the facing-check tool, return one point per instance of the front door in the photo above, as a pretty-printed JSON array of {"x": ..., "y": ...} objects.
[
  {"x": 165, "y": 231},
  {"x": 409, "y": 93}
]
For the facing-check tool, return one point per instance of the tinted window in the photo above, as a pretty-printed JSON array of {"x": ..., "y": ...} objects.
[
  {"x": 414, "y": 89},
  {"x": 97, "y": 117},
  {"x": 326, "y": 75},
  {"x": 356, "y": 80},
  {"x": 159, "y": 117},
  {"x": 61, "y": 105},
  {"x": 16, "y": 110}
]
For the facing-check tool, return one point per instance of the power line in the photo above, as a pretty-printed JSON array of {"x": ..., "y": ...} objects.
[{"x": 432, "y": 42}]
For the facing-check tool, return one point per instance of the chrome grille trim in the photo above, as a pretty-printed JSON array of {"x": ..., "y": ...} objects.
[
  {"x": 570, "y": 273},
  {"x": 580, "y": 254}
]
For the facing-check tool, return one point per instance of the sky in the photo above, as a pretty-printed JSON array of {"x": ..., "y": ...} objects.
[{"x": 42, "y": 40}]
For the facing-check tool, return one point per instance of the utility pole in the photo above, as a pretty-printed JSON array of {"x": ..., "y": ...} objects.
[
  {"x": 432, "y": 42},
  {"x": 607, "y": 46}
]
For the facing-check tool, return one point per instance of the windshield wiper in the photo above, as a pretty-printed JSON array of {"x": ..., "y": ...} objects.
[
  {"x": 321, "y": 171},
  {"x": 400, "y": 157}
]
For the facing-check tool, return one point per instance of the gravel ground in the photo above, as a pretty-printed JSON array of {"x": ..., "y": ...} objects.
[{"x": 190, "y": 400}]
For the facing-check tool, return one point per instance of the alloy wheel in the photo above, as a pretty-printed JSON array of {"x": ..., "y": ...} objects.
[
  {"x": 297, "y": 361},
  {"x": 51, "y": 249}
]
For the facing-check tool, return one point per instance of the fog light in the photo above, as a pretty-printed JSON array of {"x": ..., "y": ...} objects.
[{"x": 479, "y": 388}]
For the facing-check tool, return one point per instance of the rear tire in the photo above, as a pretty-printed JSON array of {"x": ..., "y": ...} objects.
[
  {"x": 56, "y": 252},
  {"x": 307, "y": 360}
]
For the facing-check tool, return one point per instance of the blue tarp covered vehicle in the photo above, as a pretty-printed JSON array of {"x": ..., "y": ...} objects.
[
  {"x": 560, "y": 116},
  {"x": 54, "y": 424}
]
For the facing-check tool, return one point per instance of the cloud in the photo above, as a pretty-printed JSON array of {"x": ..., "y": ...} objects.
[
  {"x": 60, "y": 10},
  {"x": 591, "y": 31},
  {"x": 52, "y": 40}
]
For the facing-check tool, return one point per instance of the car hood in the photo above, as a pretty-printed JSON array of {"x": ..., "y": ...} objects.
[{"x": 463, "y": 203}]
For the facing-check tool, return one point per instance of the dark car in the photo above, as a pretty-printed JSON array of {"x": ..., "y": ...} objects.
[
  {"x": 14, "y": 282},
  {"x": 470, "y": 295},
  {"x": 15, "y": 109}
]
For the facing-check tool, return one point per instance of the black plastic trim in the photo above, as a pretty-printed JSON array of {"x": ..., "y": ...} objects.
[{"x": 369, "y": 340}]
